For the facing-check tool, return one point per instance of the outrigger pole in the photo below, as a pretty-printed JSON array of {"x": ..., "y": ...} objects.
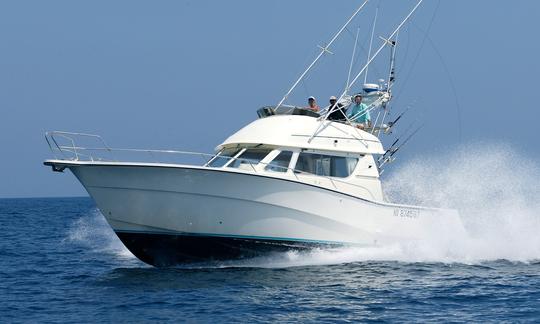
[{"x": 324, "y": 49}]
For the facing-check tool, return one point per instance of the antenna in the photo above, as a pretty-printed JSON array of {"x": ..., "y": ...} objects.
[
  {"x": 352, "y": 57},
  {"x": 371, "y": 40},
  {"x": 392, "y": 72},
  {"x": 324, "y": 49}
]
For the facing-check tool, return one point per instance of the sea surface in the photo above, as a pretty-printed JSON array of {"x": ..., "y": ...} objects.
[{"x": 60, "y": 262}]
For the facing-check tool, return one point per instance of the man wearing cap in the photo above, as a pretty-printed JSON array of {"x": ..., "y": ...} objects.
[
  {"x": 359, "y": 113},
  {"x": 312, "y": 104},
  {"x": 339, "y": 111}
]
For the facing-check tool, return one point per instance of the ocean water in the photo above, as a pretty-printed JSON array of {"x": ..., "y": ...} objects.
[{"x": 60, "y": 262}]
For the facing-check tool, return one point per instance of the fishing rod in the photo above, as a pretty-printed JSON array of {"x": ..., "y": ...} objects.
[
  {"x": 407, "y": 140},
  {"x": 388, "y": 156},
  {"x": 392, "y": 147},
  {"x": 391, "y": 124}
]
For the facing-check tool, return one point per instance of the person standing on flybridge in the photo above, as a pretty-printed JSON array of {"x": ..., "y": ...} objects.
[
  {"x": 359, "y": 113},
  {"x": 339, "y": 113}
]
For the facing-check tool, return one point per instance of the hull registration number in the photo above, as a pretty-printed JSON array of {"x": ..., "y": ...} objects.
[{"x": 406, "y": 213}]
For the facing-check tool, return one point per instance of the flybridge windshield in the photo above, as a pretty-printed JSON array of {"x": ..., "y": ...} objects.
[{"x": 285, "y": 110}]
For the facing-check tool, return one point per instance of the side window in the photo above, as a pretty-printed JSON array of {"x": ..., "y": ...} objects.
[
  {"x": 249, "y": 159},
  {"x": 313, "y": 163},
  {"x": 280, "y": 163},
  {"x": 342, "y": 167},
  {"x": 222, "y": 159},
  {"x": 326, "y": 165}
]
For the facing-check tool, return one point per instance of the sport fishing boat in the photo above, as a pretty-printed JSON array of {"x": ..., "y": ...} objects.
[{"x": 292, "y": 179}]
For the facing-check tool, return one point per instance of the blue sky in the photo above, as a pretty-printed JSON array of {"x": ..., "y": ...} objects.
[{"x": 186, "y": 74}]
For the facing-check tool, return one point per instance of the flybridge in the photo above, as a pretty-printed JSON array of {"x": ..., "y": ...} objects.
[
  {"x": 376, "y": 100},
  {"x": 376, "y": 96}
]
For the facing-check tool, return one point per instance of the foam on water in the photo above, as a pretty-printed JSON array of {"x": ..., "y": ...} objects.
[{"x": 94, "y": 233}]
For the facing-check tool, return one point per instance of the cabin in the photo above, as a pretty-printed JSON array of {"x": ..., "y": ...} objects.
[{"x": 301, "y": 148}]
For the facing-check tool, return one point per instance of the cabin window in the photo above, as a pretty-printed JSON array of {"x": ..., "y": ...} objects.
[
  {"x": 280, "y": 163},
  {"x": 325, "y": 165},
  {"x": 249, "y": 159},
  {"x": 222, "y": 158}
]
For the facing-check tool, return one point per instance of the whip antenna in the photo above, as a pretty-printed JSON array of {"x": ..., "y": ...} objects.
[
  {"x": 371, "y": 41},
  {"x": 352, "y": 56}
]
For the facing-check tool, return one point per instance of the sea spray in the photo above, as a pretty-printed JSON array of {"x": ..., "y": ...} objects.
[
  {"x": 93, "y": 232},
  {"x": 494, "y": 188}
]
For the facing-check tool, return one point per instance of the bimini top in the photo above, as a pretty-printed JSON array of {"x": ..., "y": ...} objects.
[{"x": 305, "y": 132}]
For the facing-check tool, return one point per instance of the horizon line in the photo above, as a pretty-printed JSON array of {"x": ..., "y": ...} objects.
[{"x": 44, "y": 197}]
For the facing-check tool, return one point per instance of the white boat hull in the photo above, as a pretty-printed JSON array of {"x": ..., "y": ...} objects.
[{"x": 173, "y": 214}]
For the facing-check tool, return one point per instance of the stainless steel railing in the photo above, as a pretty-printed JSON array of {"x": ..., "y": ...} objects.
[
  {"x": 54, "y": 138},
  {"x": 70, "y": 150}
]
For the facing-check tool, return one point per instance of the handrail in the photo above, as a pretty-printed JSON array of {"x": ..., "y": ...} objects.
[
  {"x": 51, "y": 135},
  {"x": 78, "y": 152}
]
